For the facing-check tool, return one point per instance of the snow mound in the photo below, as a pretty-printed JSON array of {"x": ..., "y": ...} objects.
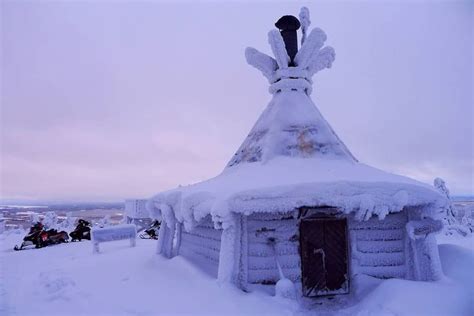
[
  {"x": 458, "y": 263},
  {"x": 452, "y": 295},
  {"x": 285, "y": 289},
  {"x": 402, "y": 297}
]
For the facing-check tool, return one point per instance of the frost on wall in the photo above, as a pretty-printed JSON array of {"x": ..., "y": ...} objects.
[
  {"x": 200, "y": 244},
  {"x": 272, "y": 255},
  {"x": 378, "y": 247}
]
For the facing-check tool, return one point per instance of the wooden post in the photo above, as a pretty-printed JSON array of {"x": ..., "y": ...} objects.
[
  {"x": 228, "y": 256},
  {"x": 165, "y": 240},
  {"x": 426, "y": 262},
  {"x": 169, "y": 241},
  {"x": 161, "y": 237},
  {"x": 242, "y": 239},
  {"x": 179, "y": 229}
]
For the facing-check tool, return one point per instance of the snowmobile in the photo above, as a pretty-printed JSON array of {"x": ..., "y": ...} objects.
[
  {"x": 152, "y": 231},
  {"x": 82, "y": 231},
  {"x": 39, "y": 237}
]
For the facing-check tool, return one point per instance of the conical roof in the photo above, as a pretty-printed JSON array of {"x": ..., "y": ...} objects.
[{"x": 292, "y": 126}]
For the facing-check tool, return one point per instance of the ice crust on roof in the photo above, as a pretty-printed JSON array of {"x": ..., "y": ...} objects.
[
  {"x": 291, "y": 125},
  {"x": 286, "y": 183}
]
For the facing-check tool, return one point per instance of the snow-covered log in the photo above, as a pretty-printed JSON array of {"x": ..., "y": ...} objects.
[
  {"x": 323, "y": 59},
  {"x": 229, "y": 251},
  {"x": 278, "y": 48},
  {"x": 266, "y": 64},
  {"x": 165, "y": 239},
  {"x": 311, "y": 47}
]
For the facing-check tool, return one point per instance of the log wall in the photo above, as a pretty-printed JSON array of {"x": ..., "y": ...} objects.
[
  {"x": 202, "y": 245},
  {"x": 283, "y": 229},
  {"x": 378, "y": 247}
]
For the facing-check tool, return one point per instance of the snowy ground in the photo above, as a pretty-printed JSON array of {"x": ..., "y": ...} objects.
[{"x": 69, "y": 280}]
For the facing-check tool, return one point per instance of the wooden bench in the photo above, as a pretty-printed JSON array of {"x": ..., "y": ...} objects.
[{"x": 112, "y": 233}]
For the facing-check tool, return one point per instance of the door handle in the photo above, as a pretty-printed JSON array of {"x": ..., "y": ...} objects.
[{"x": 323, "y": 256}]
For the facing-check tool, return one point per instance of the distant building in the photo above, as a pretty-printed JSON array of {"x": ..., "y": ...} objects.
[{"x": 135, "y": 209}]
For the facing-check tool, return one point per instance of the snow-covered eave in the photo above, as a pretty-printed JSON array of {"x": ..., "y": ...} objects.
[{"x": 364, "y": 199}]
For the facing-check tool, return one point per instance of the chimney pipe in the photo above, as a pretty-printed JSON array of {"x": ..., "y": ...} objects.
[{"x": 288, "y": 25}]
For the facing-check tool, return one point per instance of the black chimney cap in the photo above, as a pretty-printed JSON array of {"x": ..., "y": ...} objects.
[{"x": 288, "y": 23}]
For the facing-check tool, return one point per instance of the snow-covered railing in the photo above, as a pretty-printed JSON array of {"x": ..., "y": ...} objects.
[{"x": 112, "y": 233}]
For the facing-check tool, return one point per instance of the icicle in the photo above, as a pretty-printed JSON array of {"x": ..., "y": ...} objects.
[
  {"x": 278, "y": 48},
  {"x": 305, "y": 22}
]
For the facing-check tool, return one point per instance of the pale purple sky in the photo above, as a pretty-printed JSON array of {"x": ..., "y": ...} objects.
[{"x": 111, "y": 100}]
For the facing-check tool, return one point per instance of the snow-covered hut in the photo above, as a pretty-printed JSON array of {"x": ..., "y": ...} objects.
[{"x": 293, "y": 196}]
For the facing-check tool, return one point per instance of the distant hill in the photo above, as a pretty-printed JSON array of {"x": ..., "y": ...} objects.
[{"x": 463, "y": 198}]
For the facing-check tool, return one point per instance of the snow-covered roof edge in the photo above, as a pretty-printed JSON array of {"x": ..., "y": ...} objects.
[
  {"x": 378, "y": 195},
  {"x": 364, "y": 199}
]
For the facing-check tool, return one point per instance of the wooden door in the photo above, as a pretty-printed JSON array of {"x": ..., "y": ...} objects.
[{"x": 324, "y": 262}]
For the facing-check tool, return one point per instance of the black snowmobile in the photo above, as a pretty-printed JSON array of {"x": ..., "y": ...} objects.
[
  {"x": 82, "y": 231},
  {"x": 39, "y": 237},
  {"x": 152, "y": 231}
]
